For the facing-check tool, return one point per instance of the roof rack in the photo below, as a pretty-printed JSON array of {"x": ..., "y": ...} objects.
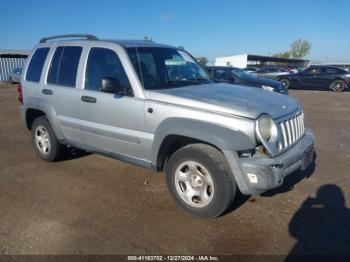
[{"x": 87, "y": 36}]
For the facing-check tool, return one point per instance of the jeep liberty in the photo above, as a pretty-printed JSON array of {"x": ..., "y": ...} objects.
[{"x": 154, "y": 106}]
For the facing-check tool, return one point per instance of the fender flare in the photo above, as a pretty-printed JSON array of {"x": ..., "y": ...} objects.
[
  {"x": 220, "y": 136},
  {"x": 49, "y": 111}
]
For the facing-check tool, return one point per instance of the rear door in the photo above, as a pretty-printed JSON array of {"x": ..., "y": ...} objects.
[
  {"x": 111, "y": 123},
  {"x": 327, "y": 75},
  {"x": 59, "y": 89}
]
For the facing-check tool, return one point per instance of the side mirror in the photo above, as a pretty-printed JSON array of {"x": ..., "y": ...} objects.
[{"x": 111, "y": 85}]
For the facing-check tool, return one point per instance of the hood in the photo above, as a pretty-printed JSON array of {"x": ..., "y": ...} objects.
[{"x": 236, "y": 100}]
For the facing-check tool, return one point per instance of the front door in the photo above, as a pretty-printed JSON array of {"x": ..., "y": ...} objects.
[
  {"x": 309, "y": 77},
  {"x": 111, "y": 122}
]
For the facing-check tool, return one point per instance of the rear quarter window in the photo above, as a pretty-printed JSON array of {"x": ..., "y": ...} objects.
[{"x": 36, "y": 64}]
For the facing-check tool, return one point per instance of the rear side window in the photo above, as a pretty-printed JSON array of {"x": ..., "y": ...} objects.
[
  {"x": 64, "y": 66},
  {"x": 330, "y": 70},
  {"x": 52, "y": 76},
  {"x": 36, "y": 64}
]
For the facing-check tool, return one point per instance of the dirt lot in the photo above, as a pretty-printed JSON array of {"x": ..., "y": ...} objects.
[{"x": 95, "y": 205}]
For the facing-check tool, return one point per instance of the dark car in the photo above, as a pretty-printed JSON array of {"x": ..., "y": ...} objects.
[
  {"x": 251, "y": 69},
  {"x": 318, "y": 77},
  {"x": 238, "y": 76},
  {"x": 271, "y": 72}
]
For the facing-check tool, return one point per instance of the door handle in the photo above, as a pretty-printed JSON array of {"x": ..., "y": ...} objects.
[
  {"x": 88, "y": 99},
  {"x": 47, "y": 91}
]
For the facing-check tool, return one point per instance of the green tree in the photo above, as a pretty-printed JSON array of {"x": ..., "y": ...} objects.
[
  {"x": 300, "y": 48},
  {"x": 202, "y": 60}
]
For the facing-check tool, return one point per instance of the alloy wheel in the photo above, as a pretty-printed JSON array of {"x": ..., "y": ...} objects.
[
  {"x": 286, "y": 83},
  {"x": 42, "y": 140},
  {"x": 338, "y": 85}
]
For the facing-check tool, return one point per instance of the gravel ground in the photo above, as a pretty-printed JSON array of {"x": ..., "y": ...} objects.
[{"x": 90, "y": 204}]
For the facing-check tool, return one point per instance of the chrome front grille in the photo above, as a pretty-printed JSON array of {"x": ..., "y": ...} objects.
[{"x": 291, "y": 130}]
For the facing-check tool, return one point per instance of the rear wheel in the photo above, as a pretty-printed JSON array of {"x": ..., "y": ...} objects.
[
  {"x": 200, "y": 181},
  {"x": 285, "y": 82},
  {"x": 338, "y": 85},
  {"x": 45, "y": 141}
]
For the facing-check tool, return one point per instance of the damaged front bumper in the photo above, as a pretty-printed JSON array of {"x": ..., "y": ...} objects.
[{"x": 257, "y": 174}]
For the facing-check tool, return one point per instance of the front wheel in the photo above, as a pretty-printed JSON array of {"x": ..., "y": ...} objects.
[
  {"x": 200, "y": 181},
  {"x": 285, "y": 82},
  {"x": 338, "y": 85}
]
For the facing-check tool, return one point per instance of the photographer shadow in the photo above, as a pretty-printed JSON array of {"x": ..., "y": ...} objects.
[{"x": 322, "y": 225}]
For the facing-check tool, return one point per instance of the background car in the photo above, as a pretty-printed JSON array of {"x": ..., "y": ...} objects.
[
  {"x": 15, "y": 76},
  {"x": 290, "y": 69},
  {"x": 234, "y": 75},
  {"x": 271, "y": 72},
  {"x": 299, "y": 69},
  {"x": 251, "y": 69},
  {"x": 318, "y": 77}
]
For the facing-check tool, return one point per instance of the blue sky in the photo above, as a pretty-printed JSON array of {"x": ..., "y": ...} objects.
[{"x": 205, "y": 28}]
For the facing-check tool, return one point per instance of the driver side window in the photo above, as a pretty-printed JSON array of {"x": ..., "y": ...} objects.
[
  {"x": 221, "y": 74},
  {"x": 311, "y": 71},
  {"x": 104, "y": 63}
]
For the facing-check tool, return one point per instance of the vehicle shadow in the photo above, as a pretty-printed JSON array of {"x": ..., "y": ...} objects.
[
  {"x": 291, "y": 180},
  {"x": 71, "y": 153},
  {"x": 240, "y": 199},
  {"x": 321, "y": 225}
]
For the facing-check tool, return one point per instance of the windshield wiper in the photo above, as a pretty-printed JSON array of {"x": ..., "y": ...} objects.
[
  {"x": 191, "y": 80},
  {"x": 183, "y": 81}
]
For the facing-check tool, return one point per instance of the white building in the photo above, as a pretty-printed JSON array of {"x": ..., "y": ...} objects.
[
  {"x": 244, "y": 60},
  {"x": 239, "y": 61}
]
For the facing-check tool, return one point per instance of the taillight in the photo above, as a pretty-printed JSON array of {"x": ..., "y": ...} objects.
[{"x": 20, "y": 95}]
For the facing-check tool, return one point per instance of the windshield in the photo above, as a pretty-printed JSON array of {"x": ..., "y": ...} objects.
[
  {"x": 160, "y": 68},
  {"x": 240, "y": 73}
]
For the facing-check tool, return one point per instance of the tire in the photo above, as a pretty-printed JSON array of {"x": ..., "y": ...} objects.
[
  {"x": 200, "y": 169},
  {"x": 285, "y": 82},
  {"x": 44, "y": 140},
  {"x": 338, "y": 85}
]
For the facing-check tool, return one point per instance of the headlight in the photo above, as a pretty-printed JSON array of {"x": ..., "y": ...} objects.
[
  {"x": 266, "y": 128},
  {"x": 268, "y": 88}
]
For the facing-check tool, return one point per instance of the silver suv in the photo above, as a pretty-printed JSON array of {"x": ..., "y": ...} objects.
[{"x": 152, "y": 105}]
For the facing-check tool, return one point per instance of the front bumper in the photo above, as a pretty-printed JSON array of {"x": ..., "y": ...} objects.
[{"x": 255, "y": 175}]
